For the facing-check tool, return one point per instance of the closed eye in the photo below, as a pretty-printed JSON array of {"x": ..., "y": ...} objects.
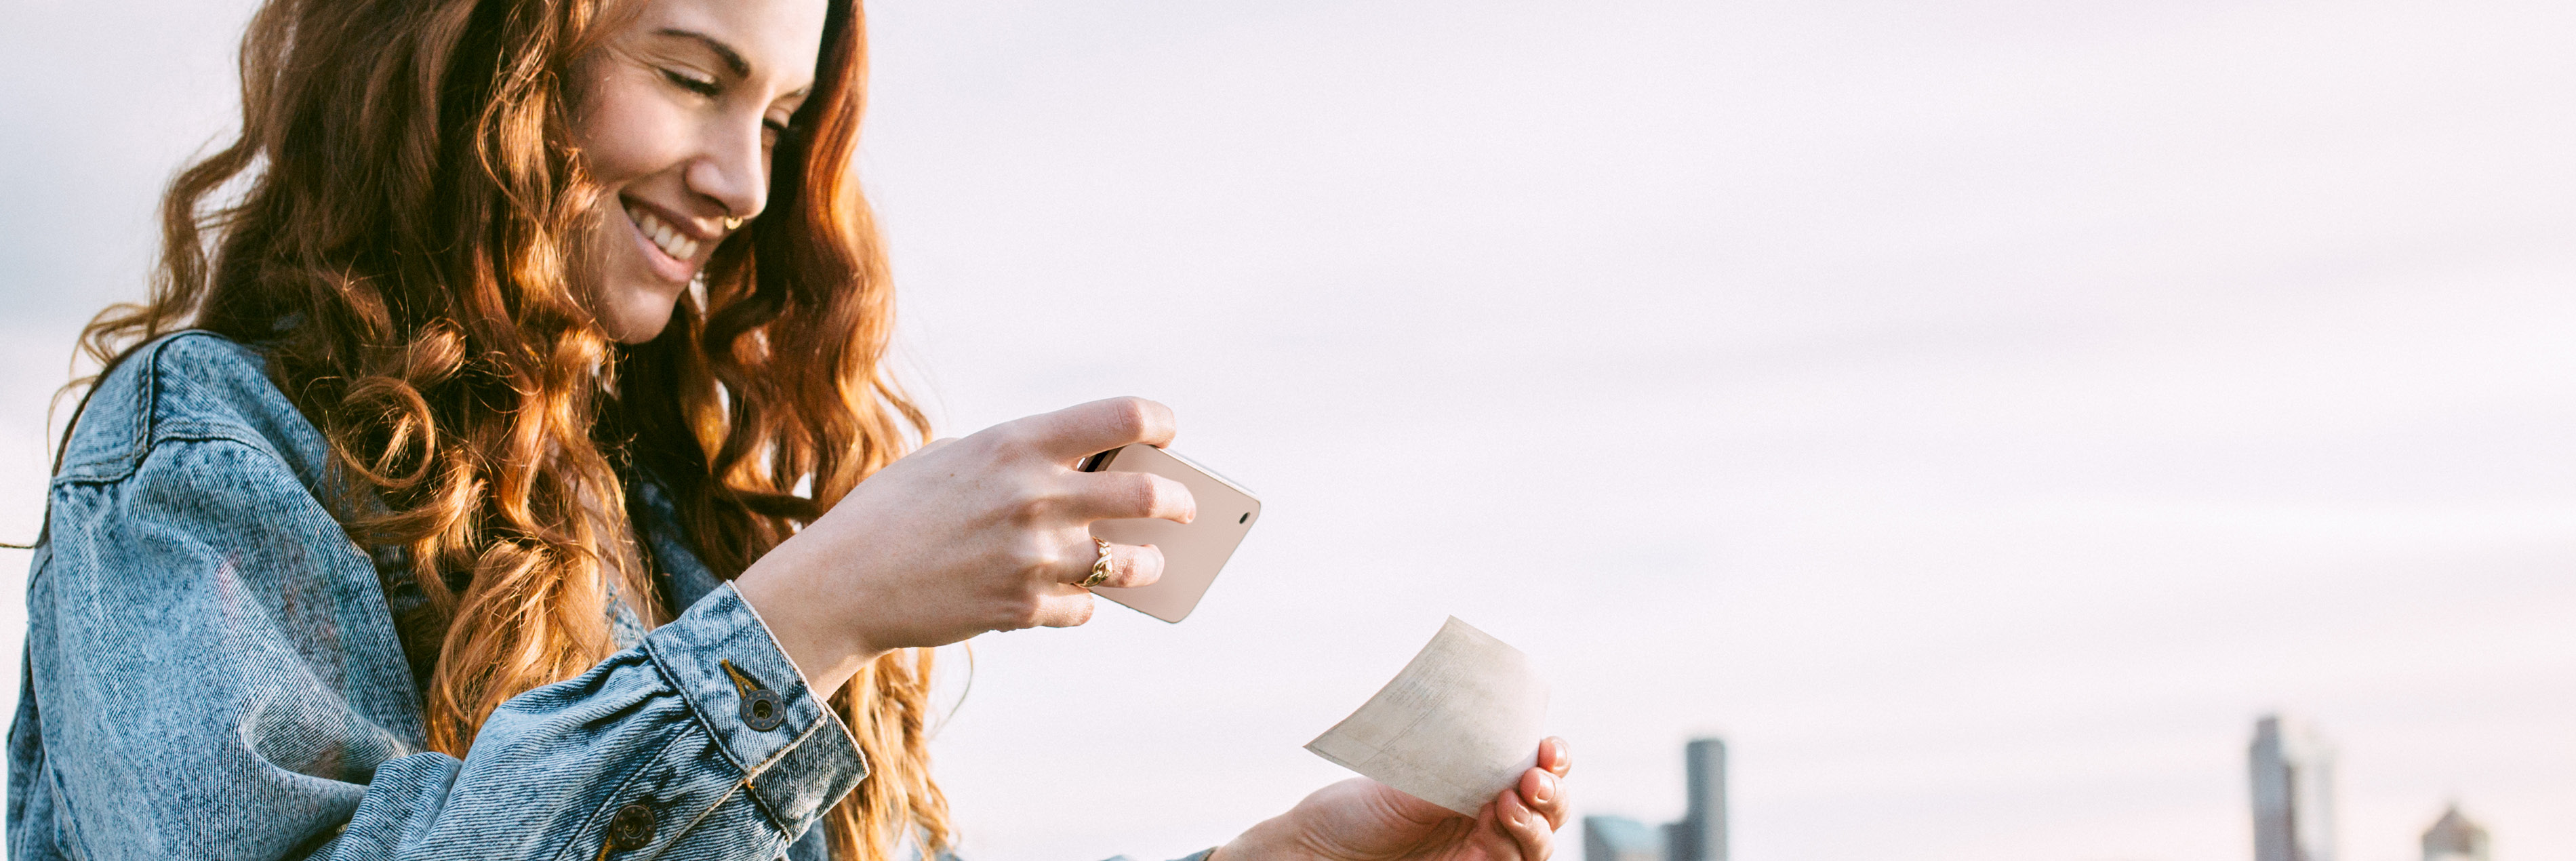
[{"x": 702, "y": 86}]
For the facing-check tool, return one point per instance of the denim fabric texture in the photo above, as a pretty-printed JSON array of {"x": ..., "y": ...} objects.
[{"x": 212, "y": 672}]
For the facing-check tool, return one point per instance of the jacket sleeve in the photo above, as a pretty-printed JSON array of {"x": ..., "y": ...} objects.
[{"x": 217, "y": 676}]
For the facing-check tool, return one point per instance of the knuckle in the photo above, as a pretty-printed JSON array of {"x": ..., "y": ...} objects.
[
  {"x": 1024, "y": 612},
  {"x": 1007, "y": 439},
  {"x": 1149, "y": 493},
  {"x": 1130, "y": 417},
  {"x": 1036, "y": 558},
  {"x": 1035, "y": 507}
]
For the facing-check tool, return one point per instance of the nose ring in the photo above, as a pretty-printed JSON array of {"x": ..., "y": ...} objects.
[{"x": 732, "y": 222}]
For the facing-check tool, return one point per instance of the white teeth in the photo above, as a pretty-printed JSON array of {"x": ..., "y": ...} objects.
[{"x": 663, "y": 235}]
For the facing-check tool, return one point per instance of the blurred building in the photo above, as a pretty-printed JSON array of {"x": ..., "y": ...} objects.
[
  {"x": 2454, "y": 838},
  {"x": 1699, "y": 836},
  {"x": 1619, "y": 838},
  {"x": 2293, "y": 772}
]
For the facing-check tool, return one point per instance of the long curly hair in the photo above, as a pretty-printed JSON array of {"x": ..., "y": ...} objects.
[{"x": 397, "y": 229}]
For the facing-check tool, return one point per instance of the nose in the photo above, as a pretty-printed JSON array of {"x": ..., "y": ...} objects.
[{"x": 733, "y": 168}]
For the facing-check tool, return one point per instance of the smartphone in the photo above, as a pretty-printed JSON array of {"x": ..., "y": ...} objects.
[{"x": 1192, "y": 552}]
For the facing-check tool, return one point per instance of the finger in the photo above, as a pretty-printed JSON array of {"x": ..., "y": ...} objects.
[
  {"x": 1130, "y": 566},
  {"x": 1084, "y": 430},
  {"x": 1555, "y": 755},
  {"x": 1529, "y": 832},
  {"x": 1544, "y": 793},
  {"x": 1124, "y": 495},
  {"x": 1489, "y": 835},
  {"x": 1064, "y": 609}
]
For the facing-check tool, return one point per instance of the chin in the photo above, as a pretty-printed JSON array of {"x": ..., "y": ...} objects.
[{"x": 639, "y": 313}]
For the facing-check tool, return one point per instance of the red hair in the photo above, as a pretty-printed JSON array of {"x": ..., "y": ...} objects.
[{"x": 404, "y": 250}]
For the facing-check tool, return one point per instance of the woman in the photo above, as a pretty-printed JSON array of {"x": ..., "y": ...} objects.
[{"x": 525, "y": 483}]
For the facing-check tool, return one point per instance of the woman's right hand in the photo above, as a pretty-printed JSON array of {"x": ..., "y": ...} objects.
[{"x": 986, "y": 533}]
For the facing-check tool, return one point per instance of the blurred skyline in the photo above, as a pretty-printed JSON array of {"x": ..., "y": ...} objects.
[{"x": 1979, "y": 412}]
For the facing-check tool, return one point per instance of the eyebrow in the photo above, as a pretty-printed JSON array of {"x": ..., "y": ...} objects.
[{"x": 732, "y": 58}]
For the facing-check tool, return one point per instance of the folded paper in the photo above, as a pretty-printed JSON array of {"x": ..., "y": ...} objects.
[{"x": 1456, "y": 727}]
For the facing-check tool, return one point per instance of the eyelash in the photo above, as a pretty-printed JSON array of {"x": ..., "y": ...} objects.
[
  {"x": 707, "y": 88},
  {"x": 711, "y": 89}
]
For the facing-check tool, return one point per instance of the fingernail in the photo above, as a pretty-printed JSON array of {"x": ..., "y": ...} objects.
[{"x": 1546, "y": 789}]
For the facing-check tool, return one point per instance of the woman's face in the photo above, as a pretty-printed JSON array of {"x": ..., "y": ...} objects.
[{"x": 679, "y": 110}]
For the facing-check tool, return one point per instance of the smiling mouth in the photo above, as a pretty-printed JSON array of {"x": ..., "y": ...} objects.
[{"x": 663, "y": 236}]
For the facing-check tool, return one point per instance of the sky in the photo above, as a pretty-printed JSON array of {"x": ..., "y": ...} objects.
[{"x": 1978, "y": 412}]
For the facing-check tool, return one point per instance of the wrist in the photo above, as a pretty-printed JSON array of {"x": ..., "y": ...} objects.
[{"x": 825, "y": 648}]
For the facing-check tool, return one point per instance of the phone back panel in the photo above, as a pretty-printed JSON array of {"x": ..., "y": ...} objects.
[{"x": 1192, "y": 552}]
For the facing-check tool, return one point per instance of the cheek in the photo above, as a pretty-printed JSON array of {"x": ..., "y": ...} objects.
[{"x": 626, "y": 132}]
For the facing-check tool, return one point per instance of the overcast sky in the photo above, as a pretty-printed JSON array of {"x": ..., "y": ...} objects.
[{"x": 1978, "y": 411}]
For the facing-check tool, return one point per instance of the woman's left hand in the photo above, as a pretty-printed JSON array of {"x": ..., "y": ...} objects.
[{"x": 1364, "y": 820}]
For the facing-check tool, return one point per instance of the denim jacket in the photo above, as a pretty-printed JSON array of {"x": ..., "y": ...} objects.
[{"x": 212, "y": 672}]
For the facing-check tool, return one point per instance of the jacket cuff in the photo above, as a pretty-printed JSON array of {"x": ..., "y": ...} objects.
[{"x": 796, "y": 756}]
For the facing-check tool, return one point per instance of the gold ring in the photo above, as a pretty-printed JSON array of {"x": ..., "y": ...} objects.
[
  {"x": 1099, "y": 567},
  {"x": 732, "y": 222}
]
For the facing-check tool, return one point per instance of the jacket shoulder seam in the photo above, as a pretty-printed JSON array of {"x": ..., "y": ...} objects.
[
  {"x": 176, "y": 440},
  {"x": 147, "y": 427}
]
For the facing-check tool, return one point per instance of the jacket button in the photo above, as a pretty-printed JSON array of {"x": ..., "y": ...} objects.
[
  {"x": 762, "y": 710},
  {"x": 761, "y": 707},
  {"x": 631, "y": 829}
]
